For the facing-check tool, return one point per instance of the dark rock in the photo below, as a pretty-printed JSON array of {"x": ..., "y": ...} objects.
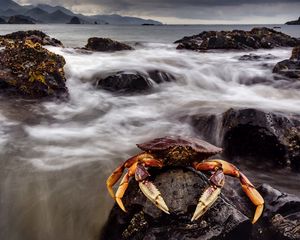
[
  {"x": 296, "y": 22},
  {"x": 29, "y": 70},
  {"x": 253, "y": 134},
  {"x": 33, "y": 35},
  {"x": 2, "y": 21},
  {"x": 290, "y": 68},
  {"x": 20, "y": 19},
  {"x": 254, "y": 57},
  {"x": 125, "y": 82},
  {"x": 281, "y": 216},
  {"x": 181, "y": 189},
  {"x": 160, "y": 76},
  {"x": 131, "y": 82},
  {"x": 106, "y": 45},
  {"x": 75, "y": 20},
  {"x": 237, "y": 39}
]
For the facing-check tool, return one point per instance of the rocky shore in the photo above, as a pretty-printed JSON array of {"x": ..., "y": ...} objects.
[{"x": 270, "y": 139}]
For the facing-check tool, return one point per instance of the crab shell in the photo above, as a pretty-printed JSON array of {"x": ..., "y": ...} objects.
[{"x": 175, "y": 150}]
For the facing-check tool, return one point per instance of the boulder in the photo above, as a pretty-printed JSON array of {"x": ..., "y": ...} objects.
[
  {"x": 261, "y": 136},
  {"x": 29, "y": 70},
  {"x": 35, "y": 36},
  {"x": 181, "y": 189},
  {"x": 290, "y": 68},
  {"x": 228, "y": 218},
  {"x": 237, "y": 39},
  {"x": 133, "y": 82},
  {"x": 126, "y": 82},
  {"x": 20, "y": 19},
  {"x": 106, "y": 45}
]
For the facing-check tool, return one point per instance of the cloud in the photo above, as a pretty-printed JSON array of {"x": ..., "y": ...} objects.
[{"x": 272, "y": 11}]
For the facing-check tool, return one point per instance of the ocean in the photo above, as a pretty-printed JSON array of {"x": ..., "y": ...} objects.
[{"x": 56, "y": 156}]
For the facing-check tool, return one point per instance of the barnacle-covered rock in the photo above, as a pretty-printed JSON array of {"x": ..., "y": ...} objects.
[
  {"x": 29, "y": 70},
  {"x": 35, "y": 36}
]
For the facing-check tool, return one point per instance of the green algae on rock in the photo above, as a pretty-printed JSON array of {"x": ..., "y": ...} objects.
[
  {"x": 35, "y": 36},
  {"x": 29, "y": 70}
]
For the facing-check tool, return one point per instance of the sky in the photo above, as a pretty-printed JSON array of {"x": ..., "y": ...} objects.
[{"x": 188, "y": 11}]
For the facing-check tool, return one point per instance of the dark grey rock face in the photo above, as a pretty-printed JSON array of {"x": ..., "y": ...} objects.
[
  {"x": 254, "y": 134},
  {"x": 181, "y": 190}
]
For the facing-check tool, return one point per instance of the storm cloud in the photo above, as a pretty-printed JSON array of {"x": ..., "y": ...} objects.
[{"x": 189, "y": 11}]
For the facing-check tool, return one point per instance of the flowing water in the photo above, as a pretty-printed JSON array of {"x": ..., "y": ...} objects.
[{"x": 55, "y": 156}]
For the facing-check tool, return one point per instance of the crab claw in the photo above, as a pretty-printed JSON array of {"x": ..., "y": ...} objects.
[
  {"x": 207, "y": 199},
  {"x": 154, "y": 195},
  {"x": 210, "y": 195}
]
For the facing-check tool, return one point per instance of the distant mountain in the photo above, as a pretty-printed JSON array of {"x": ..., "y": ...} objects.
[
  {"x": 124, "y": 20},
  {"x": 51, "y": 9},
  {"x": 296, "y": 22},
  {"x": 44, "y": 13},
  {"x": 37, "y": 13},
  {"x": 9, "y": 4}
]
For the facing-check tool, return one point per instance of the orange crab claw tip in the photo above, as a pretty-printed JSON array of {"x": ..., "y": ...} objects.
[
  {"x": 258, "y": 213},
  {"x": 120, "y": 203}
]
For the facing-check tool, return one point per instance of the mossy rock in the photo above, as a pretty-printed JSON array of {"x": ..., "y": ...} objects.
[{"x": 27, "y": 69}]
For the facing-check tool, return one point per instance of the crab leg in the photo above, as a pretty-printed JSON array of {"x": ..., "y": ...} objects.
[
  {"x": 118, "y": 172},
  {"x": 124, "y": 185},
  {"x": 247, "y": 186},
  {"x": 210, "y": 195},
  {"x": 136, "y": 167},
  {"x": 149, "y": 189}
]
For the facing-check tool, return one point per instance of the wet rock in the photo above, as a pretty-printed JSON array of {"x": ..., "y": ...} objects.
[
  {"x": 131, "y": 81},
  {"x": 281, "y": 216},
  {"x": 20, "y": 19},
  {"x": 127, "y": 82},
  {"x": 181, "y": 189},
  {"x": 237, "y": 39},
  {"x": 29, "y": 70},
  {"x": 255, "y": 57},
  {"x": 106, "y": 45},
  {"x": 35, "y": 36},
  {"x": 270, "y": 138},
  {"x": 291, "y": 67}
]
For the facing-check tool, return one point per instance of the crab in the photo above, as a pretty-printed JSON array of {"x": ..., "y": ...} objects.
[{"x": 180, "y": 152}]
